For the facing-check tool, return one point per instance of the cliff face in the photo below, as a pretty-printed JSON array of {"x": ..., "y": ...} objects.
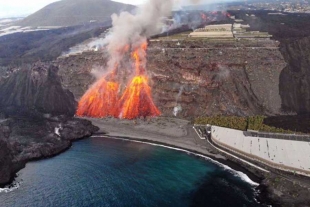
[
  {"x": 193, "y": 78},
  {"x": 37, "y": 138},
  {"x": 295, "y": 78},
  {"x": 239, "y": 79},
  {"x": 6, "y": 156},
  {"x": 36, "y": 90},
  {"x": 25, "y": 139},
  {"x": 29, "y": 94}
]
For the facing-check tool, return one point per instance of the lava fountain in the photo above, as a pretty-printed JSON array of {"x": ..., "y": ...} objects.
[
  {"x": 126, "y": 43},
  {"x": 101, "y": 99},
  {"x": 137, "y": 99}
]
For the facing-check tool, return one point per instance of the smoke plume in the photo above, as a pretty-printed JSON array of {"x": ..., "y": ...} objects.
[
  {"x": 127, "y": 43},
  {"x": 178, "y": 107},
  {"x": 131, "y": 30}
]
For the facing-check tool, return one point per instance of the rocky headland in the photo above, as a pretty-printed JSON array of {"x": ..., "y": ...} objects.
[{"x": 36, "y": 118}]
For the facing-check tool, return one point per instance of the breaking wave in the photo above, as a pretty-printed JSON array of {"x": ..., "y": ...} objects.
[{"x": 9, "y": 188}]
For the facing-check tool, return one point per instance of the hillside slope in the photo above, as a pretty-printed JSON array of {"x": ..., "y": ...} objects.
[
  {"x": 75, "y": 12},
  {"x": 45, "y": 45},
  {"x": 36, "y": 90},
  {"x": 197, "y": 78}
]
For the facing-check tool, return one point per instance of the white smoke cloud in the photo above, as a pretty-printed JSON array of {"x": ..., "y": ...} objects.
[
  {"x": 176, "y": 110},
  {"x": 98, "y": 71},
  {"x": 179, "y": 94},
  {"x": 178, "y": 107},
  {"x": 223, "y": 73},
  {"x": 131, "y": 30}
]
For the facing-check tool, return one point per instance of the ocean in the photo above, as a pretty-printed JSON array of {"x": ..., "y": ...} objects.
[{"x": 108, "y": 172}]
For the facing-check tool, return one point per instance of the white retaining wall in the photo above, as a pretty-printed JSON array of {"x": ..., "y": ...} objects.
[{"x": 292, "y": 155}]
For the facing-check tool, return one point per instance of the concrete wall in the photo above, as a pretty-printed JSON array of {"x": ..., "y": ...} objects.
[{"x": 281, "y": 154}]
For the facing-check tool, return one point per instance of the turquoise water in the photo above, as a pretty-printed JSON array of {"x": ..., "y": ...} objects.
[{"x": 107, "y": 172}]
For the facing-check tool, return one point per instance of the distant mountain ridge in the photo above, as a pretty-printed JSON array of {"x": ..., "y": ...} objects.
[{"x": 75, "y": 12}]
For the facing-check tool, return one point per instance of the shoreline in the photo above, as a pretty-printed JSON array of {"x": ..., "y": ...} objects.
[
  {"x": 68, "y": 137},
  {"x": 188, "y": 141},
  {"x": 225, "y": 163},
  {"x": 21, "y": 165},
  {"x": 148, "y": 132},
  {"x": 179, "y": 134}
]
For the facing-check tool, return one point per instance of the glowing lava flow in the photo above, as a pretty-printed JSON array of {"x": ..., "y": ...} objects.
[
  {"x": 100, "y": 100},
  {"x": 137, "y": 99}
]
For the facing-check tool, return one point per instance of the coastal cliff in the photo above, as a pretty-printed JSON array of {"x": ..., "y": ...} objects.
[
  {"x": 295, "y": 78},
  {"x": 35, "y": 89},
  {"x": 24, "y": 139},
  {"x": 36, "y": 118},
  {"x": 6, "y": 156}
]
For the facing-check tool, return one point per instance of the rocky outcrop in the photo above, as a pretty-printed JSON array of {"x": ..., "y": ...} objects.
[
  {"x": 36, "y": 90},
  {"x": 295, "y": 78},
  {"x": 37, "y": 120},
  {"x": 286, "y": 192},
  {"x": 33, "y": 139},
  {"x": 25, "y": 139}
]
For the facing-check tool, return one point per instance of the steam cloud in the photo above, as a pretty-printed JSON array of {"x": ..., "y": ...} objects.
[
  {"x": 178, "y": 107},
  {"x": 133, "y": 29}
]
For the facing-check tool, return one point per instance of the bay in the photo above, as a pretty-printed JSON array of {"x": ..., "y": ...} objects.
[{"x": 107, "y": 172}]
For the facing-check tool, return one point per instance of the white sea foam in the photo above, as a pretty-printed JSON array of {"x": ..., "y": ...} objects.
[
  {"x": 239, "y": 174},
  {"x": 9, "y": 188}
]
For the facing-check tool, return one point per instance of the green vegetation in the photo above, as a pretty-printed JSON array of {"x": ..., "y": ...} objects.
[
  {"x": 233, "y": 122},
  {"x": 180, "y": 36},
  {"x": 240, "y": 123},
  {"x": 257, "y": 123}
]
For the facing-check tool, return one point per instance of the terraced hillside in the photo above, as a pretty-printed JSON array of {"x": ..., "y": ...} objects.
[{"x": 199, "y": 78}]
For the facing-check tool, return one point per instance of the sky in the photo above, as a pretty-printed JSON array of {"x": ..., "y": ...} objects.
[
  {"x": 21, "y": 8},
  {"x": 18, "y": 8}
]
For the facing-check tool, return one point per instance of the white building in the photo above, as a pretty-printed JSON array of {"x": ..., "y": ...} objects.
[{"x": 214, "y": 31}]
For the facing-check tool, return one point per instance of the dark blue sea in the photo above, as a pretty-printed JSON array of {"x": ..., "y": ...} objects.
[{"x": 107, "y": 172}]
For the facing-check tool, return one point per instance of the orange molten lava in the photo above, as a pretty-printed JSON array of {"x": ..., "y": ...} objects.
[
  {"x": 137, "y": 100},
  {"x": 204, "y": 17},
  {"x": 100, "y": 100}
]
